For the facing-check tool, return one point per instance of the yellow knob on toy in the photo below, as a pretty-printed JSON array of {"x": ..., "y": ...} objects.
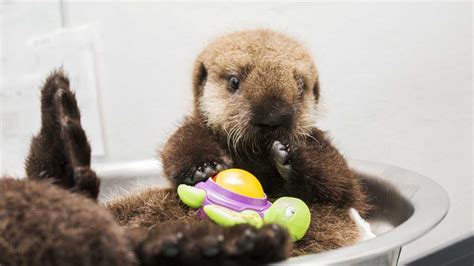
[{"x": 241, "y": 182}]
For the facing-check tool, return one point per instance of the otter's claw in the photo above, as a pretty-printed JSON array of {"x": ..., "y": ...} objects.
[
  {"x": 280, "y": 154},
  {"x": 202, "y": 172}
]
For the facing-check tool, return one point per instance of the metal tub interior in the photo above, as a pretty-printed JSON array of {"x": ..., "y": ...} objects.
[{"x": 406, "y": 206}]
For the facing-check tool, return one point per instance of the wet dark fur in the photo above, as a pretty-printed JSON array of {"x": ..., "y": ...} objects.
[{"x": 43, "y": 222}]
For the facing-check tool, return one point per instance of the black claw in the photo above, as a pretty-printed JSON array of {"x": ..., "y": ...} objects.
[
  {"x": 170, "y": 249},
  {"x": 247, "y": 241},
  {"x": 280, "y": 154},
  {"x": 188, "y": 181},
  {"x": 212, "y": 251},
  {"x": 200, "y": 173}
]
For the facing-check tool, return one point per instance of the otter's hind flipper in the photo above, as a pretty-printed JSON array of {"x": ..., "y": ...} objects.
[
  {"x": 206, "y": 243},
  {"x": 61, "y": 151}
]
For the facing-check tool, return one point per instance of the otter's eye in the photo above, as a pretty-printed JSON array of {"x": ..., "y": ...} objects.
[
  {"x": 234, "y": 83},
  {"x": 289, "y": 212}
]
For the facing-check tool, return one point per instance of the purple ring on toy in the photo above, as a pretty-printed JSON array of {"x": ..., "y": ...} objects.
[{"x": 218, "y": 195}]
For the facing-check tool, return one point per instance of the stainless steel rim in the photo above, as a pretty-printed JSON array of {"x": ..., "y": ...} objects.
[{"x": 430, "y": 202}]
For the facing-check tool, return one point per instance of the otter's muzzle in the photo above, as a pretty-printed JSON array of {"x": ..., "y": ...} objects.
[{"x": 273, "y": 114}]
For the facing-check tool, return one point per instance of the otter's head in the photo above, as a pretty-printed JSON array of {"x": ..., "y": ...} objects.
[{"x": 256, "y": 86}]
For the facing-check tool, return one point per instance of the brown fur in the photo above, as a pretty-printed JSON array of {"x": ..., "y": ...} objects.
[
  {"x": 330, "y": 228},
  {"x": 225, "y": 129},
  {"x": 61, "y": 152},
  {"x": 150, "y": 207},
  {"x": 41, "y": 224}
]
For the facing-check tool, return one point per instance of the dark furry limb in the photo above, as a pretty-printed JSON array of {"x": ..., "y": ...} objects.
[
  {"x": 206, "y": 243},
  {"x": 41, "y": 224},
  {"x": 61, "y": 151},
  {"x": 196, "y": 149}
]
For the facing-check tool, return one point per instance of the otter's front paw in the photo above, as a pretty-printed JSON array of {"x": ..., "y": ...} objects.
[
  {"x": 281, "y": 157},
  {"x": 202, "y": 172}
]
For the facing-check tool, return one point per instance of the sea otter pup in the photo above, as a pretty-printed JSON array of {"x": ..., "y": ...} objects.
[{"x": 255, "y": 97}]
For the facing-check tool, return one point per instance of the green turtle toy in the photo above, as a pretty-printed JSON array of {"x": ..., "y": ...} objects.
[{"x": 236, "y": 196}]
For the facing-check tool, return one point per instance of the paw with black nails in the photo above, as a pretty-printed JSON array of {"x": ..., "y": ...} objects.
[
  {"x": 280, "y": 154},
  {"x": 202, "y": 172}
]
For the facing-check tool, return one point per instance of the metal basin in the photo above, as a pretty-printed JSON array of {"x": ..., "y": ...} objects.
[{"x": 406, "y": 206}]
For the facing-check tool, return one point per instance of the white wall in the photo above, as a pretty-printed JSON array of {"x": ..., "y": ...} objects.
[{"x": 396, "y": 79}]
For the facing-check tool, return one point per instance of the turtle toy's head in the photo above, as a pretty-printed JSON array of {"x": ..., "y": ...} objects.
[{"x": 291, "y": 213}]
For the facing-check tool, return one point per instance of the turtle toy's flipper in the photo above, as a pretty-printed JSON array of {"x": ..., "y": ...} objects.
[
  {"x": 292, "y": 213},
  {"x": 191, "y": 196},
  {"x": 226, "y": 217}
]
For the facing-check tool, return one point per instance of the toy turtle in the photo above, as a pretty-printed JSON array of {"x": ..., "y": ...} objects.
[{"x": 236, "y": 196}]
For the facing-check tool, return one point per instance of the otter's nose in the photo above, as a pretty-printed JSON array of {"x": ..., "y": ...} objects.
[{"x": 274, "y": 114}]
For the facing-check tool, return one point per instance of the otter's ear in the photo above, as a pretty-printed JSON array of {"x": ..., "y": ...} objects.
[
  {"x": 316, "y": 90},
  {"x": 199, "y": 76}
]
